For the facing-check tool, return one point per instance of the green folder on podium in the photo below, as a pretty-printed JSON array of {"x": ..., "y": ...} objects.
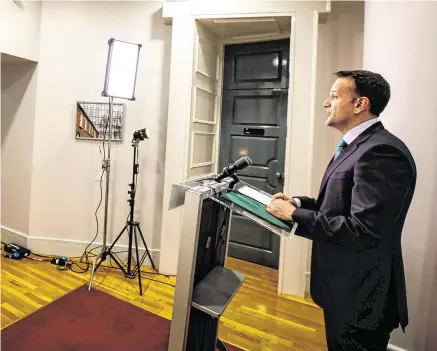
[{"x": 257, "y": 208}]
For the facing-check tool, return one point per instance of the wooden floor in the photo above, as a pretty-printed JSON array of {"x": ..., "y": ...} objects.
[{"x": 256, "y": 319}]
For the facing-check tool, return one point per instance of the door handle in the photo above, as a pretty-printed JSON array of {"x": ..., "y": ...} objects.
[{"x": 274, "y": 176}]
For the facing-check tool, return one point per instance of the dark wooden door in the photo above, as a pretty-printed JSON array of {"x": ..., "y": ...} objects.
[{"x": 254, "y": 124}]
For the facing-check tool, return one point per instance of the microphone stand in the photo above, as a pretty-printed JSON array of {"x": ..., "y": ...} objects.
[{"x": 235, "y": 181}]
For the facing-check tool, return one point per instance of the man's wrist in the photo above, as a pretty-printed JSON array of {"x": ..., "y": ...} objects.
[{"x": 297, "y": 201}]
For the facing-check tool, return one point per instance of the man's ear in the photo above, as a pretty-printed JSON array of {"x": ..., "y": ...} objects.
[{"x": 361, "y": 104}]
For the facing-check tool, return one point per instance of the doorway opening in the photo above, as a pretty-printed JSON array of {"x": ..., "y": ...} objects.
[
  {"x": 254, "y": 124},
  {"x": 239, "y": 108}
]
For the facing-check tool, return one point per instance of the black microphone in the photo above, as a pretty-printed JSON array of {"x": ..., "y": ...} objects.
[{"x": 233, "y": 168}]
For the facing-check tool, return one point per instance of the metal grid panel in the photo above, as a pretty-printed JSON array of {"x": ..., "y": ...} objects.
[{"x": 98, "y": 114}]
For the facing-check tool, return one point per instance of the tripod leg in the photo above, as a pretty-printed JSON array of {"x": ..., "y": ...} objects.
[
  {"x": 92, "y": 273},
  {"x": 118, "y": 237},
  {"x": 138, "y": 261},
  {"x": 145, "y": 246},
  {"x": 117, "y": 262},
  {"x": 102, "y": 256}
]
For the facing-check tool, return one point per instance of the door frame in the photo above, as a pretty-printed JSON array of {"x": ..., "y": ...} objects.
[{"x": 300, "y": 139}]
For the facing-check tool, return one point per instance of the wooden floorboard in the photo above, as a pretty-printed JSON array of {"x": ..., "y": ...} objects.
[{"x": 258, "y": 318}]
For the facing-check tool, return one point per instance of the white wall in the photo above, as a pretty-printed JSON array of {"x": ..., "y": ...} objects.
[
  {"x": 74, "y": 44},
  {"x": 397, "y": 45},
  {"x": 20, "y": 28},
  {"x": 340, "y": 47},
  {"x": 18, "y": 97}
]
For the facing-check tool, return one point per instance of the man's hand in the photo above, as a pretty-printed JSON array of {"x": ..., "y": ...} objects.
[
  {"x": 281, "y": 209},
  {"x": 284, "y": 197}
]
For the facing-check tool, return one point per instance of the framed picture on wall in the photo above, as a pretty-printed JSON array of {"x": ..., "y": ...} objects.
[{"x": 91, "y": 121}]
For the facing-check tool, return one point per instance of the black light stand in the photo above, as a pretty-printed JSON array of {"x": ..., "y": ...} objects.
[{"x": 132, "y": 227}]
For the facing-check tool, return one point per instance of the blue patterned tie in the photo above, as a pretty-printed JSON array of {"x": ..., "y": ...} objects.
[{"x": 341, "y": 145}]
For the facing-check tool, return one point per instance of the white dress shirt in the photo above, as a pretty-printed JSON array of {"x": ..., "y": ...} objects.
[{"x": 349, "y": 137}]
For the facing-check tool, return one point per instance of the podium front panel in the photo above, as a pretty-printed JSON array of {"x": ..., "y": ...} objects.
[{"x": 204, "y": 287}]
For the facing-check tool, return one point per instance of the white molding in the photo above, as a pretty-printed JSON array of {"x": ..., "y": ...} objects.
[
  {"x": 200, "y": 40},
  {"x": 203, "y": 164},
  {"x": 241, "y": 9},
  {"x": 9, "y": 235},
  {"x": 206, "y": 91},
  {"x": 391, "y": 347},
  {"x": 205, "y": 75},
  {"x": 294, "y": 252},
  {"x": 255, "y": 38},
  {"x": 218, "y": 107},
  {"x": 251, "y": 37},
  {"x": 206, "y": 163},
  {"x": 204, "y": 133},
  {"x": 201, "y": 121},
  {"x": 65, "y": 247}
]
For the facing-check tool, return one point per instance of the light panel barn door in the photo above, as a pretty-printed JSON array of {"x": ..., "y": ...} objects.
[{"x": 204, "y": 105}]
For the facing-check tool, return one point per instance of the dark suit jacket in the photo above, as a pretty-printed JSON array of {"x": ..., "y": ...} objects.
[{"x": 356, "y": 223}]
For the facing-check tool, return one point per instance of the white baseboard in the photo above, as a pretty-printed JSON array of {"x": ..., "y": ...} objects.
[
  {"x": 65, "y": 247},
  {"x": 9, "y": 235},
  {"x": 394, "y": 348}
]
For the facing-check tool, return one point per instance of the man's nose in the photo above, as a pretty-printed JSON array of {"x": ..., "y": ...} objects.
[{"x": 326, "y": 103}]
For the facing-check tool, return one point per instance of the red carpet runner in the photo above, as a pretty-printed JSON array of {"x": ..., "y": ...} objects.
[{"x": 89, "y": 321}]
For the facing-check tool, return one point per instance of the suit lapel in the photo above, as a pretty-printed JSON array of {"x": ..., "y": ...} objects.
[
  {"x": 349, "y": 150},
  {"x": 337, "y": 162}
]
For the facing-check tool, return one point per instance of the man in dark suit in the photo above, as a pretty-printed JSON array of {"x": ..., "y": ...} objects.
[{"x": 357, "y": 273}]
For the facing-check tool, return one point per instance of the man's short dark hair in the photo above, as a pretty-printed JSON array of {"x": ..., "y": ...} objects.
[{"x": 371, "y": 85}]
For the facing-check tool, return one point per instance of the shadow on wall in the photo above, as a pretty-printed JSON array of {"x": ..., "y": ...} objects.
[{"x": 15, "y": 80}]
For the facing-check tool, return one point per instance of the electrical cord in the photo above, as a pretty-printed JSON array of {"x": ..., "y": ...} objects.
[
  {"x": 86, "y": 253},
  {"x": 68, "y": 266}
]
